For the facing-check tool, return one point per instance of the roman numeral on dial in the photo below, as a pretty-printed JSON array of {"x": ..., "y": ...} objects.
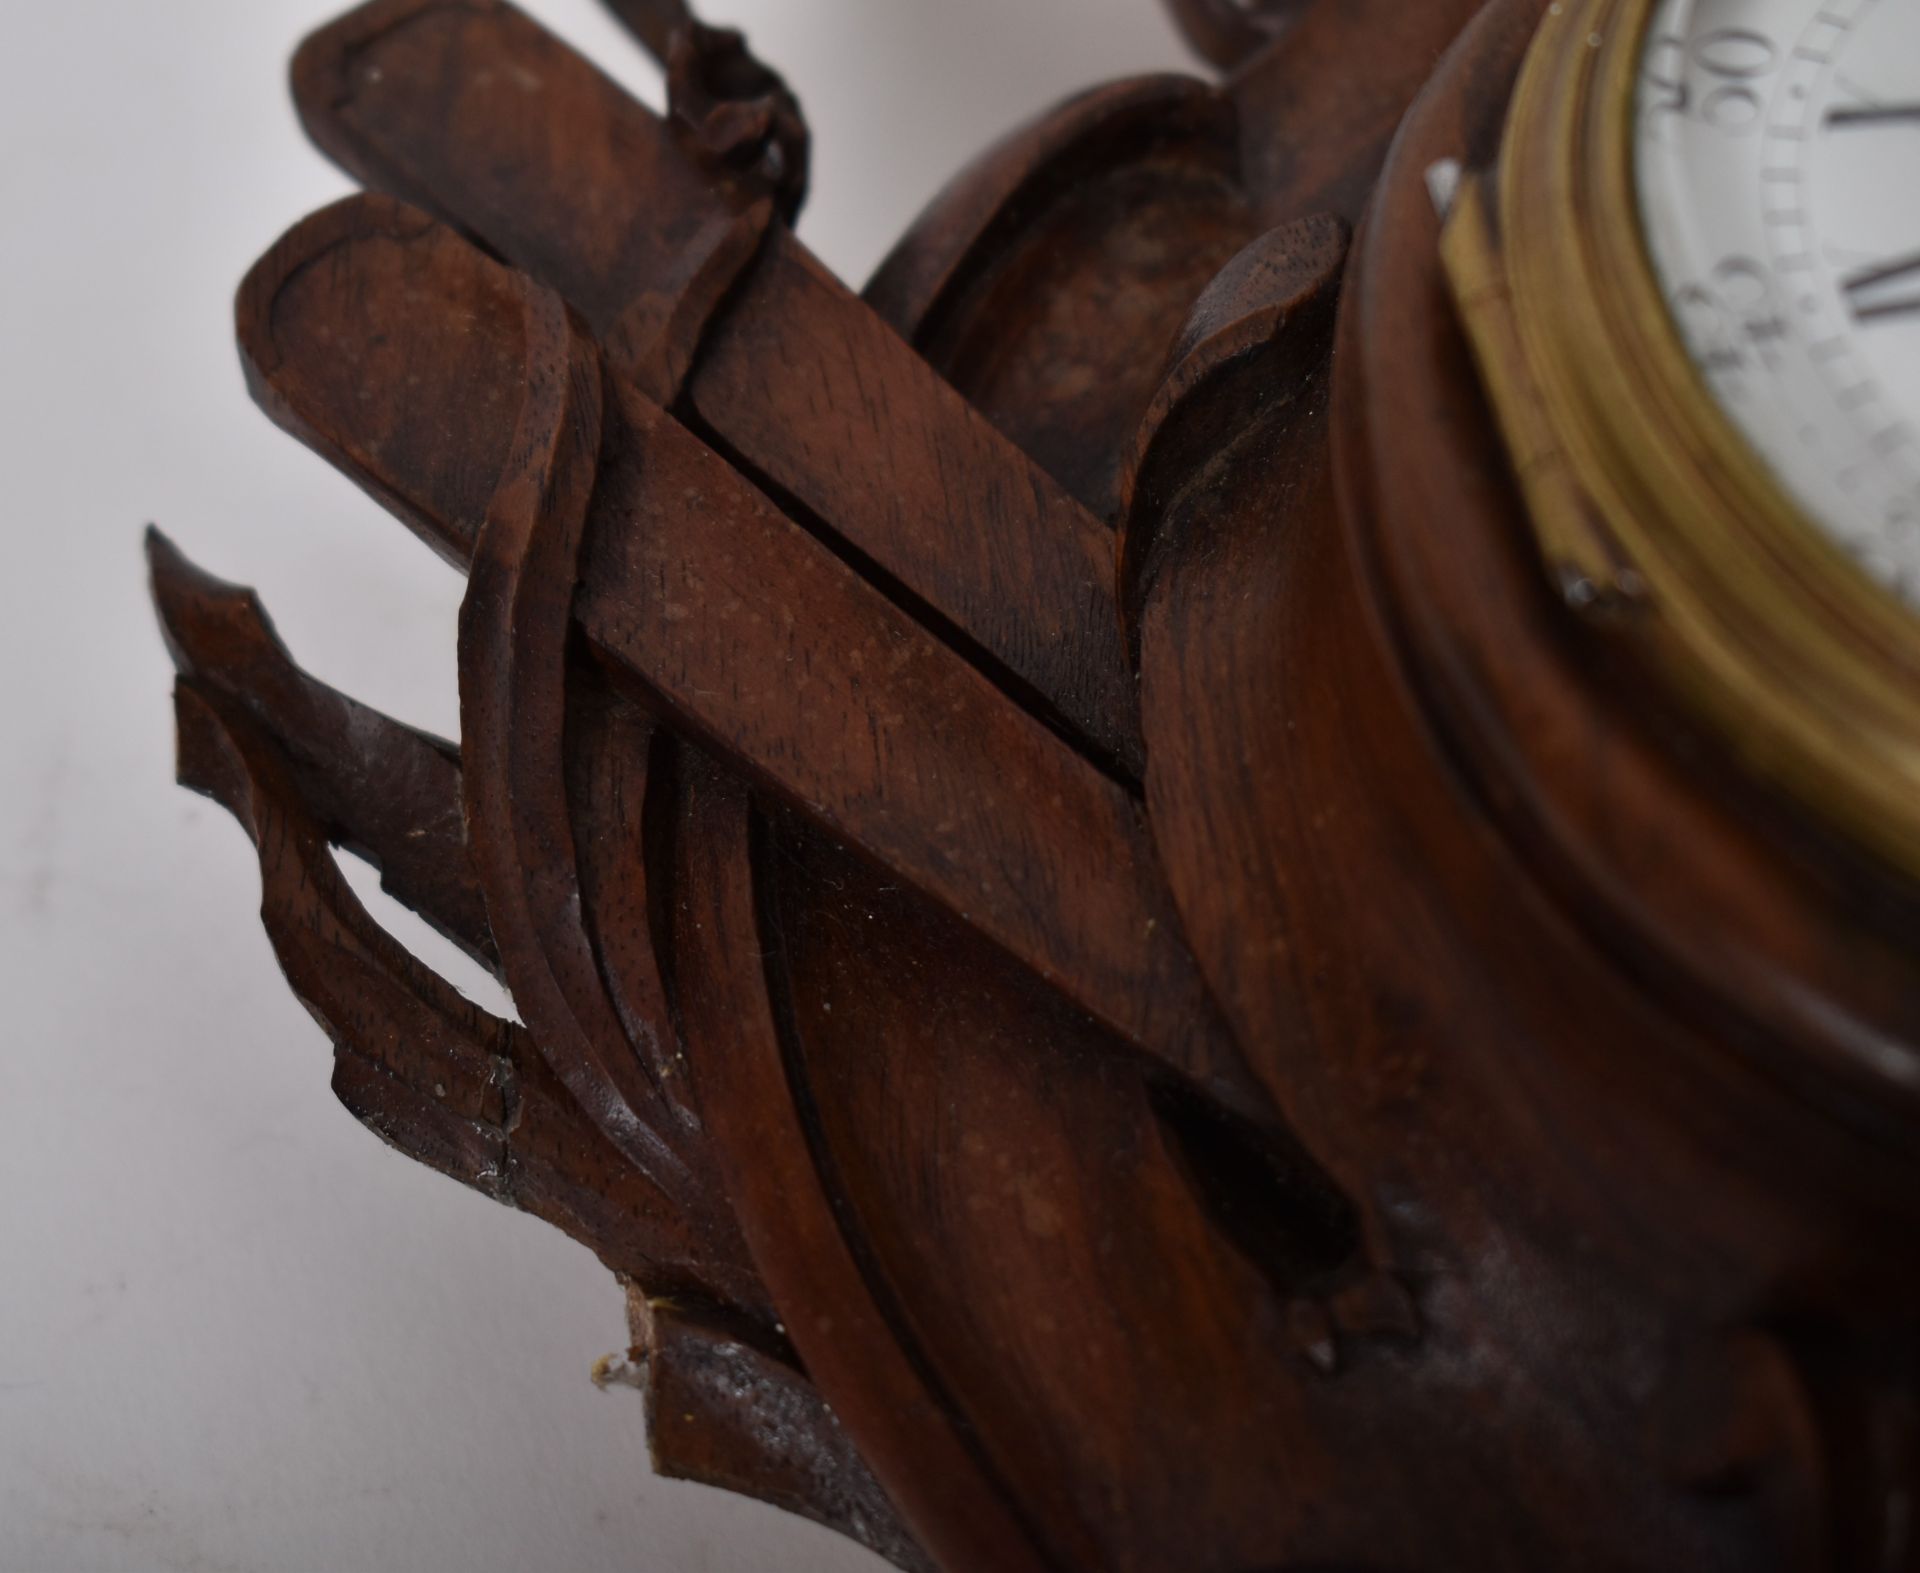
[
  {"x": 1885, "y": 289},
  {"x": 1873, "y": 114}
]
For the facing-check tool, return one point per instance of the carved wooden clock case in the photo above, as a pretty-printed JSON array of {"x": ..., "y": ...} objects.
[{"x": 1125, "y": 978}]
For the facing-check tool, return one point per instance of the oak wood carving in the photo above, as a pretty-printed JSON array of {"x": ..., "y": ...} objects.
[{"x": 1119, "y": 986}]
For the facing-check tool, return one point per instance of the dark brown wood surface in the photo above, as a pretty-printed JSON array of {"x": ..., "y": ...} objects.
[{"x": 1119, "y": 985}]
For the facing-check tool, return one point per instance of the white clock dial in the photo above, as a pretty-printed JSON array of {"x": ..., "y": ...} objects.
[{"x": 1778, "y": 163}]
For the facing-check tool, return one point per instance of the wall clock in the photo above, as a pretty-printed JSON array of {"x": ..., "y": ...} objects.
[
  {"x": 1701, "y": 331},
  {"x": 1223, "y": 878}
]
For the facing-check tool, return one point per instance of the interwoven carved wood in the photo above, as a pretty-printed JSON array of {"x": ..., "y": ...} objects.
[{"x": 1117, "y": 987}]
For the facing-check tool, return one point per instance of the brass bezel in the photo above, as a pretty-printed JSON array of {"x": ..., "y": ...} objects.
[{"x": 1640, "y": 489}]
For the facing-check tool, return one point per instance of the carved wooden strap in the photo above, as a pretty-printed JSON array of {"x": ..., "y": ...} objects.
[
  {"x": 960, "y": 522},
  {"x": 687, "y": 566}
]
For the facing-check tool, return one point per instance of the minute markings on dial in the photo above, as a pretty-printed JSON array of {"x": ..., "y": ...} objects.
[
  {"x": 1887, "y": 289},
  {"x": 1773, "y": 169}
]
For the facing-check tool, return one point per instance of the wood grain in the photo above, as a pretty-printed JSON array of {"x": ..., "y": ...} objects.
[{"x": 421, "y": 98}]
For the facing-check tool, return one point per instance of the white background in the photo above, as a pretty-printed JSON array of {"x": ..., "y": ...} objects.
[{"x": 235, "y": 1331}]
